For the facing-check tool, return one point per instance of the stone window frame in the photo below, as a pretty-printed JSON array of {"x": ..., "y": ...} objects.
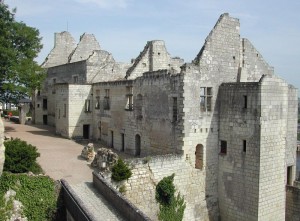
[
  {"x": 87, "y": 105},
  {"x": 206, "y": 94},
  {"x": 129, "y": 98},
  {"x": 106, "y": 104}
]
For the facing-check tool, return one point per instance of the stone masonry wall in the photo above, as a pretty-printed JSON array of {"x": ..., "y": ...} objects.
[
  {"x": 62, "y": 110},
  {"x": 238, "y": 175},
  {"x": 190, "y": 182},
  {"x": 273, "y": 127},
  {"x": 77, "y": 114},
  {"x": 85, "y": 48},
  {"x": 252, "y": 64},
  {"x": 63, "y": 46}
]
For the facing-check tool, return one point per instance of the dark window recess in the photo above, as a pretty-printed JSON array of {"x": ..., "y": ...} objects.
[
  {"x": 223, "y": 147},
  {"x": 45, "y": 104},
  {"x": 39, "y": 93},
  {"x": 175, "y": 111},
  {"x": 245, "y": 101},
  {"x": 244, "y": 145},
  {"x": 106, "y": 104},
  {"x": 65, "y": 110}
]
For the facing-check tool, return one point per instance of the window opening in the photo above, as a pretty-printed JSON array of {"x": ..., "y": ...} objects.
[
  {"x": 223, "y": 147},
  {"x": 106, "y": 100},
  {"x": 245, "y": 101},
  {"x": 244, "y": 145},
  {"x": 129, "y": 95},
  {"x": 199, "y": 157},
  {"x": 175, "y": 111},
  {"x": 45, "y": 104},
  {"x": 65, "y": 110},
  {"x": 87, "y": 105},
  {"x": 206, "y": 99}
]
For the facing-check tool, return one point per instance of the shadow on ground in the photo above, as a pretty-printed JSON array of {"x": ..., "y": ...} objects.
[{"x": 9, "y": 129}]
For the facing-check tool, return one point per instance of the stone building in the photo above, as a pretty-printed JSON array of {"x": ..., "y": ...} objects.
[{"x": 225, "y": 124}]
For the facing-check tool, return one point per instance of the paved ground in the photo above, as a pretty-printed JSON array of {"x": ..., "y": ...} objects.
[{"x": 60, "y": 157}]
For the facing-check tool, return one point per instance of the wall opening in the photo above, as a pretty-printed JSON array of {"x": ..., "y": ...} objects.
[
  {"x": 86, "y": 131},
  {"x": 245, "y": 101},
  {"x": 244, "y": 145},
  {"x": 45, "y": 119},
  {"x": 175, "y": 111},
  {"x": 223, "y": 147},
  {"x": 199, "y": 157},
  {"x": 137, "y": 145},
  {"x": 112, "y": 139},
  {"x": 100, "y": 132},
  {"x": 289, "y": 180},
  {"x": 139, "y": 106},
  {"x": 123, "y": 142},
  {"x": 45, "y": 104}
]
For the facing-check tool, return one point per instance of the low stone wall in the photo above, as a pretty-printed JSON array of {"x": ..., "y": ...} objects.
[
  {"x": 126, "y": 208},
  {"x": 74, "y": 206},
  {"x": 292, "y": 203}
]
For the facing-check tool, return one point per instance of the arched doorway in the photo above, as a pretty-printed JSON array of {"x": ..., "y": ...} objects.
[
  {"x": 199, "y": 157},
  {"x": 137, "y": 145}
]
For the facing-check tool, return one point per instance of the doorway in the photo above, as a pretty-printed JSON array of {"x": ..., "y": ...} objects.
[
  {"x": 137, "y": 145},
  {"x": 86, "y": 131},
  {"x": 45, "y": 119}
]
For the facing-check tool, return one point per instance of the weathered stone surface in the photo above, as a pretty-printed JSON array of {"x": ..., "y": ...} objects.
[
  {"x": 88, "y": 152},
  {"x": 105, "y": 159}
]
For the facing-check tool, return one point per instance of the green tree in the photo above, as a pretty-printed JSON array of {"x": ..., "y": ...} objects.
[{"x": 20, "y": 44}]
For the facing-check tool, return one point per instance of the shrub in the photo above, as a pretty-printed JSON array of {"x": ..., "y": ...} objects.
[
  {"x": 171, "y": 207},
  {"x": 165, "y": 190},
  {"x": 120, "y": 171},
  {"x": 20, "y": 157}
]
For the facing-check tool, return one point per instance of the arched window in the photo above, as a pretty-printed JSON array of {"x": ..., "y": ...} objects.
[{"x": 199, "y": 157}]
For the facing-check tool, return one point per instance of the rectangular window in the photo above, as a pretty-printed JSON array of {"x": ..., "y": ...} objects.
[
  {"x": 65, "y": 110},
  {"x": 129, "y": 95},
  {"x": 58, "y": 113},
  {"x": 244, "y": 145},
  {"x": 106, "y": 100},
  {"x": 45, "y": 104},
  {"x": 87, "y": 106},
  {"x": 245, "y": 101},
  {"x": 175, "y": 112},
  {"x": 223, "y": 147},
  {"x": 206, "y": 99},
  {"x": 54, "y": 80}
]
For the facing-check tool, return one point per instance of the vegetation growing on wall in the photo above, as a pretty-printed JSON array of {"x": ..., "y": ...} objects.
[
  {"x": 121, "y": 171},
  {"x": 171, "y": 207},
  {"x": 20, "y": 157},
  {"x": 36, "y": 193}
]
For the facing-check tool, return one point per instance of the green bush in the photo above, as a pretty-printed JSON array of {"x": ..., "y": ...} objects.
[
  {"x": 165, "y": 190},
  {"x": 37, "y": 194},
  {"x": 20, "y": 157},
  {"x": 171, "y": 207},
  {"x": 120, "y": 171}
]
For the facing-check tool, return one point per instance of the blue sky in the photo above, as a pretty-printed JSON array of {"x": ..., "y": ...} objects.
[{"x": 123, "y": 27}]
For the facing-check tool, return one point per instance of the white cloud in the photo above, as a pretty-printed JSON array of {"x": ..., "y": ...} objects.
[{"x": 106, "y": 3}]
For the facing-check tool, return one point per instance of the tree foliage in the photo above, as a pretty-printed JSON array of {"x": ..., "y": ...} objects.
[
  {"x": 171, "y": 207},
  {"x": 20, "y": 44}
]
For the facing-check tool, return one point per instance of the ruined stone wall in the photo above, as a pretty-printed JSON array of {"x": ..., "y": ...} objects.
[
  {"x": 102, "y": 67},
  {"x": 85, "y": 48},
  {"x": 154, "y": 57},
  {"x": 252, "y": 64},
  {"x": 64, "y": 44},
  {"x": 238, "y": 176},
  {"x": 190, "y": 182},
  {"x": 273, "y": 172}
]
